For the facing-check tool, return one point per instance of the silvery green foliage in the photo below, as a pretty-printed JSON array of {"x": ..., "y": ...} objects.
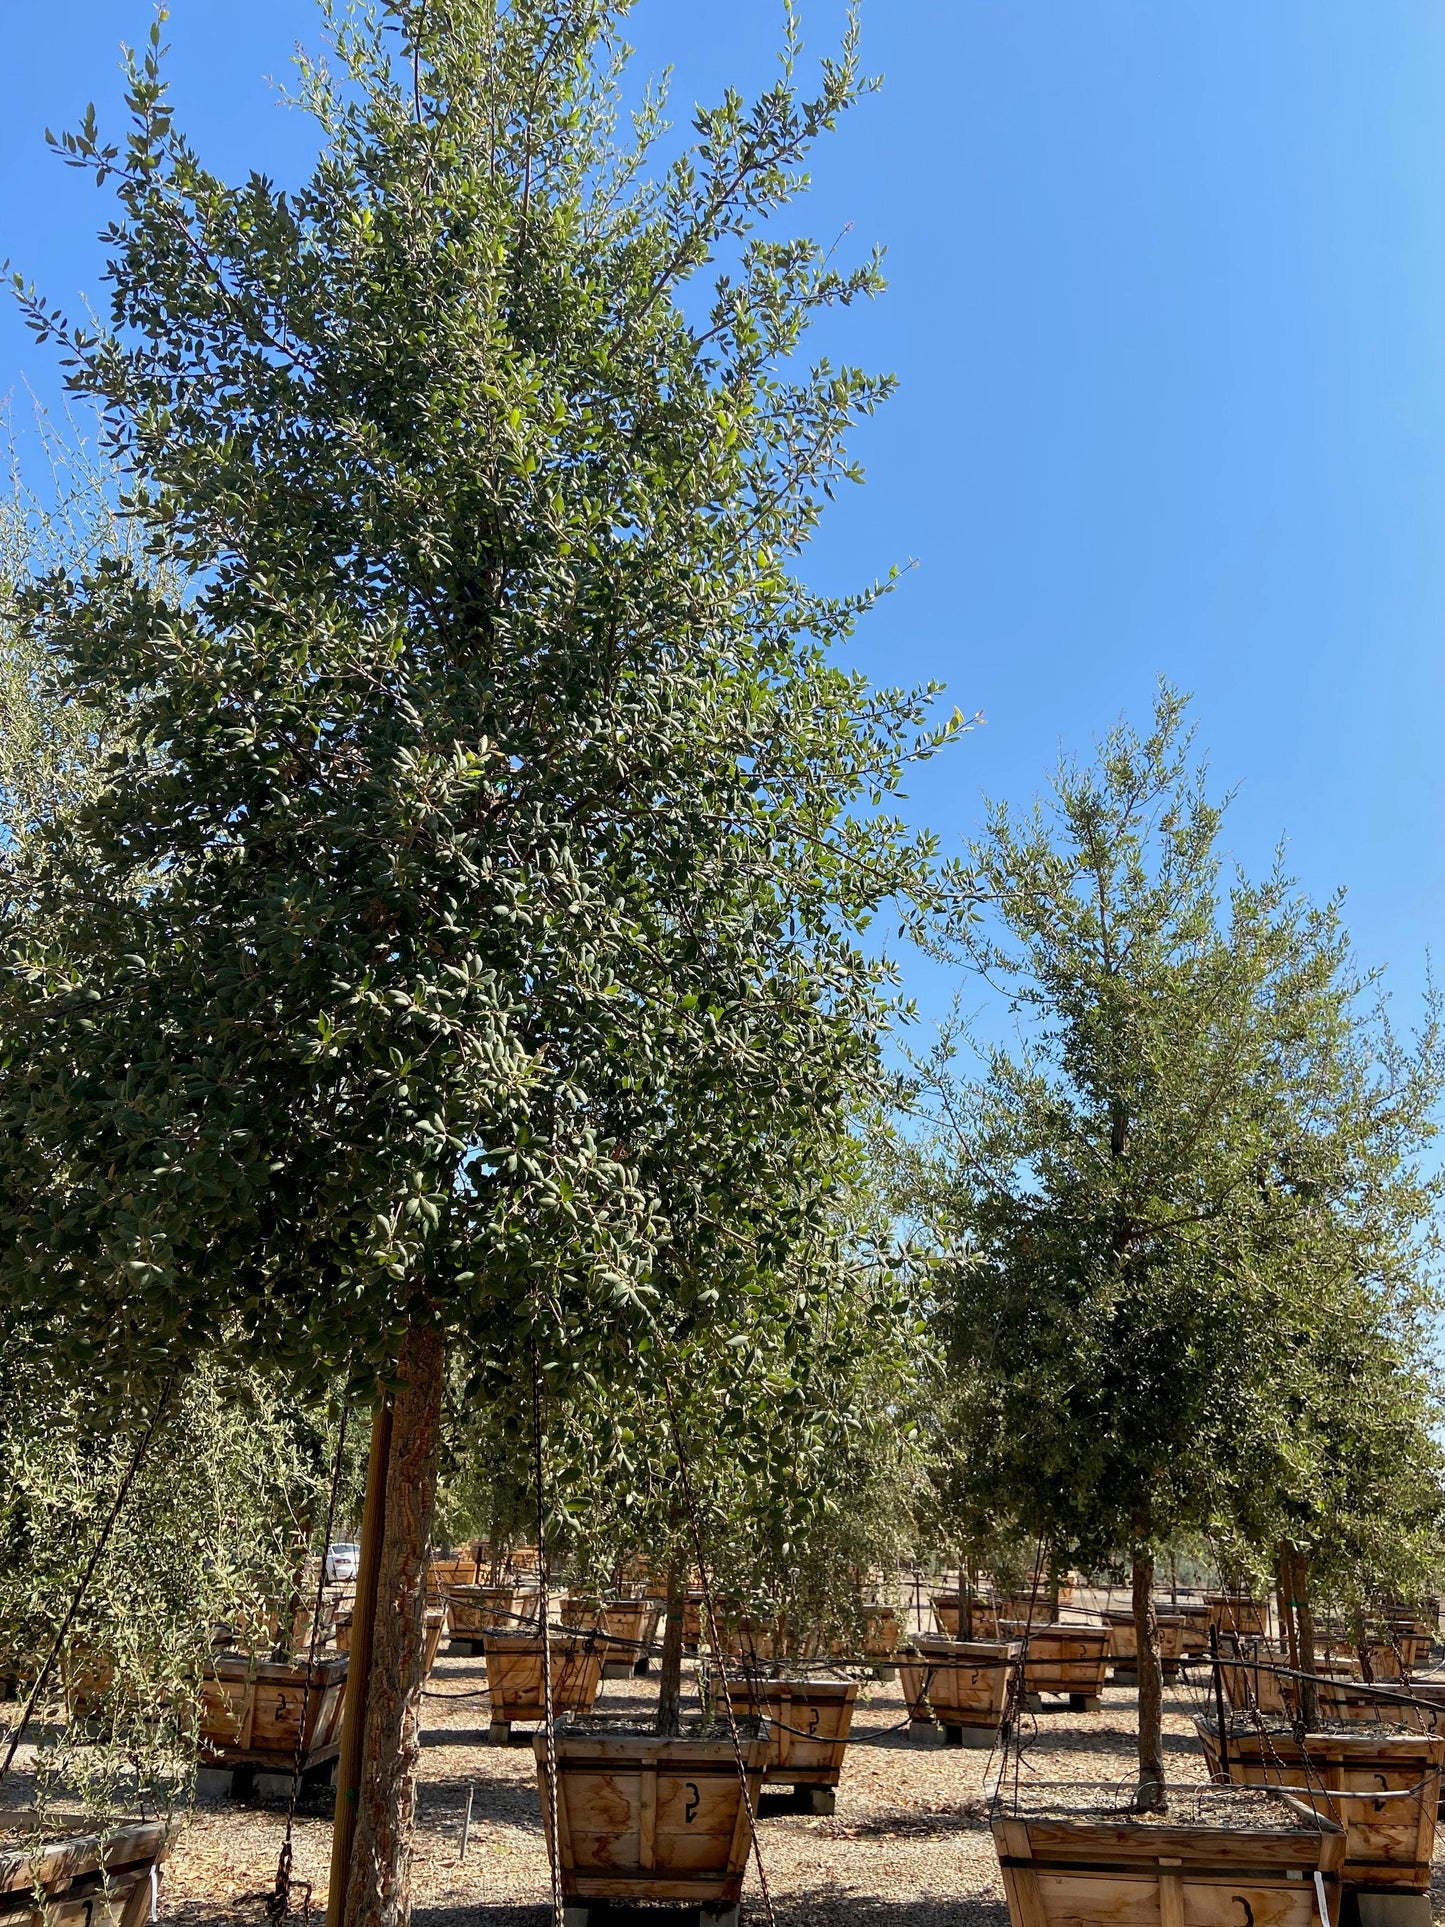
[{"x": 209, "y": 1546}]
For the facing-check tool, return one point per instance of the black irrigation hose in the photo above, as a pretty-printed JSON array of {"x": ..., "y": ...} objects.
[{"x": 1383, "y": 1693}]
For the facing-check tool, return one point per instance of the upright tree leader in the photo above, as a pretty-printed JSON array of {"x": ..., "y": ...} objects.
[
  {"x": 490, "y": 801},
  {"x": 1205, "y": 1146}
]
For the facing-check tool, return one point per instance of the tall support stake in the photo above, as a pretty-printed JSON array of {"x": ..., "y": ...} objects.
[
  {"x": 358, "y": 1674},
  {"x": 378, "y": 1793},
  {"x": 1219, "y": 1699}
]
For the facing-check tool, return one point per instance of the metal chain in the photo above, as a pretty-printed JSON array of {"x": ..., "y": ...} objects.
[
  {"x": 278, "y": 1902},
  {"x": 544, "y": 1581},
  {"x": 687, "y": 1494}
]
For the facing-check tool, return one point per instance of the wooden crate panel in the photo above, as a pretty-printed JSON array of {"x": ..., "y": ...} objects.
[
  {"x": 650, "y": 1819},
  {"x": 960, "y": 1682},
  {"x": 1197, "y": 1621},
  {"x": 259, "y": 1713},
  {"x": 1171, "y": 1637},
  {"x": 1122, "y": 1641},
  {"x": 1067, "y": 1659},
  {"x": 223, "y": 1711},
  {"x": 809, "y": 1722},
  {"x": 1384, "y": 1792},
  {"x": 515, "y": 1675},
  {"x": 696, "y": 1805}
]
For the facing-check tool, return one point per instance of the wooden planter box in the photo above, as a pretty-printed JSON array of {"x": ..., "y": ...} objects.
[
  {"x": 961, "y": 1684},
  {"x": 1124, "y": 1646},
  {"x": 752, "y": 1641},
  {"x": 626, "y": 1629},
  {"x": 1067, "y": 1659},
  {"x": 1235, "y": 1613},
  {"x": 1250, "y": 1681},
  {"x": 808, "y": 1721},
  {"x": 265, "y": 1717},
  {"x": 456, "y": 1569},
  {"x": 1405, "y": 1649},
  {"x": 1023, "y": 1609},
  {"x": 947, "y": 1606},
  {"x": 436, "y": 1626},
  {"x": 1197, "y": 1620},
  {"x": 646, "y": 1819},
  {"x": 478, "y": 1611},
  {"x": 1383, "y": 1788},
  {"x": 1238, "y": 1856},
  {"x": 881, "y": 1632},
  {"x": 1350, "y": 1702},
  {"x": 882, "y": 1635},
  {"x": 516, "y": 1685},
  {"x": 87, "y": 1879}
]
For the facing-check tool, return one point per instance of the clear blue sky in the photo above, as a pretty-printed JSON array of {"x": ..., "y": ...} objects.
[{"x": 1168, "y": 286}]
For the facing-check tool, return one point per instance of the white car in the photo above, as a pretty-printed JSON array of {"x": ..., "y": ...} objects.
[{"x": 343, "y": 1562}]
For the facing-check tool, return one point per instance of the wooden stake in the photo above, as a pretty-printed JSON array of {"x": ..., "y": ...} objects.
[
  {"x": 1219, "y": 1700},
  {"x": 363, "y": 1632}
]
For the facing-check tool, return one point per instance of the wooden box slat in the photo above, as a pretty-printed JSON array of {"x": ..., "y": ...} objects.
[
  {"x": 650, "y": 1819},
  {"x": 809, "y": 1722},
  {"x": 959, "y": 1682},
  {"x": 515, "y": 1674},
  {"x": 1384, "y": 1791}
]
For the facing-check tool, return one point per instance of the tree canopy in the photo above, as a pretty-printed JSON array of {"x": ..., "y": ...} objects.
[
  {"x": 1170, "y": 1206},
  {"x": 495, "y": 829}
]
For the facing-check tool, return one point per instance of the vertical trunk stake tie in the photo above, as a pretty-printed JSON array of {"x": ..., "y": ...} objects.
[{"x": 544, "y": 1582}]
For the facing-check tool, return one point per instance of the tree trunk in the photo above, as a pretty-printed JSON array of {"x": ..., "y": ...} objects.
[
  {"x": 371, "y": 1883},
  {"x": 1305, "y": 1625},
  {"x": 669, "y": 1683},
  {"x": 1284, "y": 1599},
  {"x": 1152, "y": 1795}
]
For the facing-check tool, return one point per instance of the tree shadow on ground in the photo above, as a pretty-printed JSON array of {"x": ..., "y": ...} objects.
[
  {"x": 456, "y": 1736},
  {"x": 1121, "y": 1739},
  {"x": 825, "y": 1905},
  {"x": 970, "y": 1816},
  {"x": 501, "y": 1803}
]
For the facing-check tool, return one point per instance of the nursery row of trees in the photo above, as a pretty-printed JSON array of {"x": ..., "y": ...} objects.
[{"x": 438, "y": 965}]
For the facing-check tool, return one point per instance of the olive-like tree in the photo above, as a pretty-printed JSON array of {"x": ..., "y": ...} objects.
[
  {"x": 494, "y": 825},
  {"x": 1133, "y": 1198}
]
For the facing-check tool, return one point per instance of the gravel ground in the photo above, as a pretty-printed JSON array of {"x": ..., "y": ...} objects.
[{"x": 909, "y": 1845}]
